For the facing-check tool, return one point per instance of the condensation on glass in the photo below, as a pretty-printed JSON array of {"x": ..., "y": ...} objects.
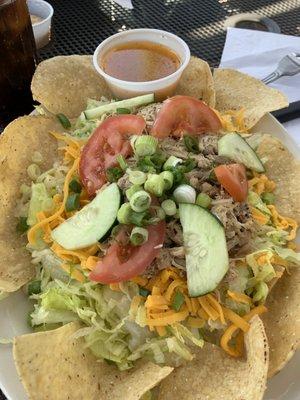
[{"x": 17, "y": 60}]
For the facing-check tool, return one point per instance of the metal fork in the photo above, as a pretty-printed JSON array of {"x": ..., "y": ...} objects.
[{"x": 289, "y": 65}]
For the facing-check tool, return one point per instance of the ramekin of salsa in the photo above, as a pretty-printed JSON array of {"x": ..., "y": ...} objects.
[{"x": 142, "y": 61}]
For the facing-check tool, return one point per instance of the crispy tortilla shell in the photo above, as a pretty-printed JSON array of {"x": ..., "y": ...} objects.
[
  {"x": 54, "y": 366},
  {"x": 17, "y": 143},
  {"x": 284, "y": 169},
  {"x": 63, "y": 84},
  {"x": 213, "y": 375},
  {"x": 235, "y": 90},
  {"x": 197, "y": 81},
  {"x": 282, "y": 322}
]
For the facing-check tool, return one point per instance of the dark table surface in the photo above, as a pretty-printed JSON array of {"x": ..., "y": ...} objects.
[{"x": 80, "y": 25}]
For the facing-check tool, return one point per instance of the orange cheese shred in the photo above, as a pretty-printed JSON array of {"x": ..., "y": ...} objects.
[
  {"x": 211, "y": 312},
  {"x": 228, "y": 334},
  {"x": 238, "y": 321},
  {"x": 239, "y": 297},
  {"x": 216, "y": 305}
]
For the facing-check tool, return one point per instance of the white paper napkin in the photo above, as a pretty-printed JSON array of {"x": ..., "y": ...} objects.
[
  {"x": 124, "y": 3},
  {"x": 257, "y": 53}
]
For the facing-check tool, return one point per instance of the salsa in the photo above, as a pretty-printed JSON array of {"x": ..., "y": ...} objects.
[{"x": 139, "y": 61}]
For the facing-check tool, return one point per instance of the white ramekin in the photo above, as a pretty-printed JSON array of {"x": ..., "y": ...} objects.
[
  {"x": 163, "y": 87},
  {"x": 42, "y": 29}
]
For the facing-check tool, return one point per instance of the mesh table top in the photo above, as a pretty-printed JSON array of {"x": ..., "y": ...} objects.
[{"x": 80, "y": 25}]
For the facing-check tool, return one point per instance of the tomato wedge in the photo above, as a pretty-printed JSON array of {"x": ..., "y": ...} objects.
[
  {"x": 185, "y": 114},
  {"x": 102, "y": 148},
  {"x": 124, "y": 261},
  {"x": 234, "y": 180}
]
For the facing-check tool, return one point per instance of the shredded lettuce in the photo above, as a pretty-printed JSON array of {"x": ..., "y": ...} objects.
[
  {"x": 255, "y": 201},
  {"x": 288, "y": 254},
  {"x": 263, "y": 272},
  {"x": 39, "y": 201}
]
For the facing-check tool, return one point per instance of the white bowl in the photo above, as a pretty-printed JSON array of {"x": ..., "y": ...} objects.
[
  {"x": 163, "y": 87},
  {"x": 42, "y": 29}
]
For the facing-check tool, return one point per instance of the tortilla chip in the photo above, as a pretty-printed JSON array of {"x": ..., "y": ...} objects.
[
  {"x": 17, "y": 143},
  {"x": 197, "y": 81},
  {"x": 282, "y": 322},
  {"x": 284, "y": 169},
  {"x": 235, "y": 90},
  {"x": 213, "y": 375},
  {"x": 52, "y": 366},
  {"x": 63, "y": 84}
]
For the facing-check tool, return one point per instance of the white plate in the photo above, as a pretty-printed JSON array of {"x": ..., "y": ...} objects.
[{"x": 14, "y": 309}]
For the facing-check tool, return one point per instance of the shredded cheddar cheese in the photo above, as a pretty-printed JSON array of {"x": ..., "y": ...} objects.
[
  {"x": 261, "y": 183},
  {"x": 259, "y": 216},
  {"x": 239, "y": 297},
  {"x": 284, "y": 223},
  {"x": 232, "y": 329},
  {"x": 233, "y": 120}
]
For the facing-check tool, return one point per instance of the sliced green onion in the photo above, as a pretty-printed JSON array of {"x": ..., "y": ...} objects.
[
  {"x": 169, "y": 207},
  {"x": 124, "y": 214},
  {"x": 261, "y": 291},
  {"x": 122, "y": 162},
  {"x": 268, "y": 198},
  {"x": 168, "y": 179},
  {"x": 140, "y": 201},
  {"x": 34, "y": 287},
  {"x": 191, "y": 144},
  {"x": 123, "y": 111},
  {"x": 185, "y": 194},
  {"x": 33, "y": 171},
  {"x": 178, "y": 176},
  {"x": 178, "y": 301},
  {"x": 37, "y": 157},
  {"x": 138, "y": 236},
  {"x": 75, "y": 186},
  {"x": 143, "y": 292},
  {"x": 133, "y": 189},
  {"x": 65, "y": 122},
  {"x": 127, "y": 216},
  {"x": 136, "y": 177},
  {"x": 72, "y": 202},
  {"x": 172, "y": 161},
  {"x": 188, "y": 165},
  {"x": 203, "y": 200},
  {"x": 145, "y": 145},
  {"x": 139, "y": 218},
  {"x": 22, "y": 225},
  {"x": 155, "y": 184},
  {"x": 152, "y": 163},
  {"x": 113, "y": 174}
]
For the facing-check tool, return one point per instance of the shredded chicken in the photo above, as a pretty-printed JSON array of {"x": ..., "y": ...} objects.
[
  {"x": 238, "y": 223},
  {"x": 174, "y": 147},
  {"x": 149, "y": 113},
  {"x": 174, "y": 233},
  {"x": 208, "y": 144}
]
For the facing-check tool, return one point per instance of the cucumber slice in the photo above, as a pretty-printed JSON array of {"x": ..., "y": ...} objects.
[
  {"x": 92, "y": 222},
  {"x": 205, "y": 246},
  {"x": 237, "y": 149},
  {"x": 111, "y": 107}
]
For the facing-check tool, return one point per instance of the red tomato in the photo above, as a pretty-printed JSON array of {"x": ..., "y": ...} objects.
[
  {"x": 123, "y": 261},
  {"x": 233, "y": 178},
  {"x": 184, "y": 114},
  {"x": 108, "y": 140}
]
